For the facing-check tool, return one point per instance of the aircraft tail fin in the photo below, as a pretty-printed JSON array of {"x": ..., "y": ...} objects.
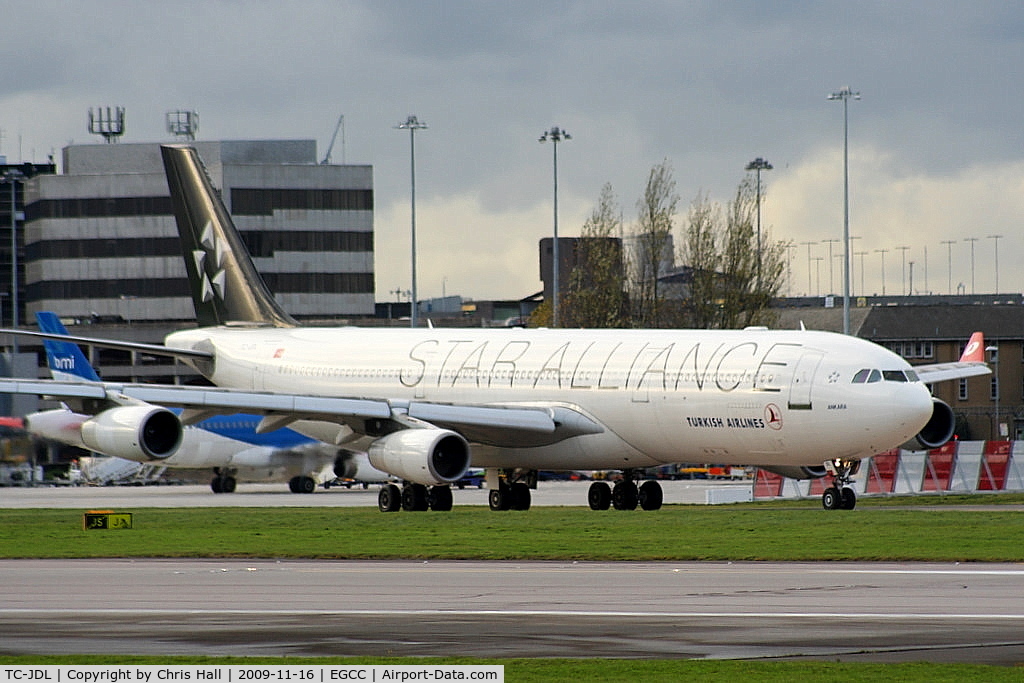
[
  {"x": 226, "y": 287},
  {"x": 65, "y": 358},
  {"x": 974, "y": 352}
]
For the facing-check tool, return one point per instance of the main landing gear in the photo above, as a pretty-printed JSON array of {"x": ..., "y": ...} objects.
[
  {"x": 512, "y": 491},
  {"x": 302, "y": 484},
  {"x": 625, "y": 495},
  {"x": 414, "y": 498},
  {"x": 223, "y": 482},
  {"x": 840, "y": 495}
]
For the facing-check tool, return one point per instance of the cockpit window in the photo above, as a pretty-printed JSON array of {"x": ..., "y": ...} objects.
[{"x": 869, "y": 376}]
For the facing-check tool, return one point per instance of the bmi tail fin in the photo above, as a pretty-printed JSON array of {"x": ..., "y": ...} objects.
[
  {"x": 226, "y": 288},
  {"x": 974, "y": 352},
  {"x": 66, "y": 360}
]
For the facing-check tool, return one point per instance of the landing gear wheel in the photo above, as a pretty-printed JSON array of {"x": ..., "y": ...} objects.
[
  {"x": 302, "y": 484},
  {"x": 651, "y": 495},
  {"x": 625, "y": 495},
  {"x": 599, "y": 496},
  {"x": 840, "y": 495},
  {"x": 500, "y": 499},
  {"x": 520, "y": 496},
  {"x": 414, "y": 498},
  {"x": 389, "y": 499},
  {"x": 440, "y": 498},
  {"x": 228, "y": 485}
]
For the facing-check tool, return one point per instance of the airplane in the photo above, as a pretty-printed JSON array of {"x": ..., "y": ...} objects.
[
  {"x": 230, "y": 445},
  {"x": 426, "y": 404}
]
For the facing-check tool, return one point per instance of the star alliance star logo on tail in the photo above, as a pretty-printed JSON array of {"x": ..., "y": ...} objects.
[{"x": 212, "y": 284}]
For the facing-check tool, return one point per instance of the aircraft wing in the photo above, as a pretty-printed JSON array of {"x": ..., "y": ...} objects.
[
  {"x": 971, "y": 364},
  {"x": 506, "y": 425},
  {"x": 941, "y": 372}
]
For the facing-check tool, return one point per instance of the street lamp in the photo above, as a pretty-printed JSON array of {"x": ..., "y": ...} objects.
[
  {"x": 757, "y": 165},
  {"x": 882, "y": 252},
  {"x": 844, "y": 94},
  {"x": 809, "y": 245},
  {"x": 996, "y": 238},
  {"x": 903, "y": 281},
  {"x": 831, "y": 263},
  {"x": 555, "y": 135},
  {"x": 412, "y": 124},
  {"x": 972, "y": 240},
  {"x": 949, "y": 264}
]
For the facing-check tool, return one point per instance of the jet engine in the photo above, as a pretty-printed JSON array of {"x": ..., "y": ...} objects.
[
  {"x": 422, "y": 456},
  {"x": 141, "y": 433},
  {"x": 797, "y": 471},
  {"x": 937, "y": 432},
  {"x": 356, "y": 465}
]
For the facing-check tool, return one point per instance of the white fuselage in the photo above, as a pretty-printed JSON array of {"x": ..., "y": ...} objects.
[{"x": 750, "y": 397}]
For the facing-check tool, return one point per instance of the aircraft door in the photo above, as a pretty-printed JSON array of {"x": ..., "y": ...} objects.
[{"x": 803, "y": 380}]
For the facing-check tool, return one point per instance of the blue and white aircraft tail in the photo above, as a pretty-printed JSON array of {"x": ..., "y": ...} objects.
[
  {"x": 66, "y": 360},
  {"x": 230, "y": 445}
]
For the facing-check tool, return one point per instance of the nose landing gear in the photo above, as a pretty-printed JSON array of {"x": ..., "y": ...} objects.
[{"x": 840, "y": 495}]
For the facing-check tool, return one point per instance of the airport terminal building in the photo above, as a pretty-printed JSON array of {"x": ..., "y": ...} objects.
[{"x": 100, "y": 241}]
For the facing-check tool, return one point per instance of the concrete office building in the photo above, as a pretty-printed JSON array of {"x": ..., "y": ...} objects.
[{"x": 101, "y": 243}]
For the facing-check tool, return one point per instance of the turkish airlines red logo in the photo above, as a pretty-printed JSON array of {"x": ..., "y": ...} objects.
[{"x": 773, "y": 416}]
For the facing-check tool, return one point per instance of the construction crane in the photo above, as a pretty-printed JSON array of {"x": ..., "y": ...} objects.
[{"x": 340, "y": 126}]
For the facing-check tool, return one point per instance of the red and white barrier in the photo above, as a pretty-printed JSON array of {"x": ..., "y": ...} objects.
[{"x": 957, "y": 467}]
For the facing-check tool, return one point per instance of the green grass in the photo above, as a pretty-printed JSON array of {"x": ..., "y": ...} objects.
[
  {"x": 616, "y": 670},
  {"x": 895, "y": 529},
  {"x": 782, "y": 531}
]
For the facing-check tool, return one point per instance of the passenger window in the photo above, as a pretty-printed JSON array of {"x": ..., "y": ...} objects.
[
  {"x": 875, "y": 376},
  {"x": 894, "y": 376},
  {"x": 861, "y": 377}
]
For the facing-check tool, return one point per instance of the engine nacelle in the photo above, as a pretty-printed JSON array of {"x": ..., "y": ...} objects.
[
  {"x": 797, "y": 471},
  {"x": 355, "y": 465},
  {"x": 139, "y": 433},
  {"x": 937, "y": 432},
  {"x": 422, "y": 456}
]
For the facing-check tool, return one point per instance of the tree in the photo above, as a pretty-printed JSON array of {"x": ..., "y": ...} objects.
[
  {"x": 652, "y": 246},
  {"x": 597, "y": 296},
  {"x": 733, "y": 282},
  {"x": 700, "y": 252}
]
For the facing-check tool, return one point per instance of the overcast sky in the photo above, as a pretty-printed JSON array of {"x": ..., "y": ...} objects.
[{"x": 936, "y": 148}]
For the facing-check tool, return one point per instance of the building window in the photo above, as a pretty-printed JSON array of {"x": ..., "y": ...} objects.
[
  {"x": 963, "y": 389},
  {"x": 913, "y": 349},
  {"x": 994, "y": 388}
]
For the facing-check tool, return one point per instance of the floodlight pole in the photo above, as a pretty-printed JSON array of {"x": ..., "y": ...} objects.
[
  {"x": 412, "y": 125},
  {"x": 555, "y": 135},
  {"x": 757, "y": 165},
  {"x": 845, "y": 94}
]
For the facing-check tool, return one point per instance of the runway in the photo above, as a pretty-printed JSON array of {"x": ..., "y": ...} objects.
[
  {"x": 834, "y": 611},
  {"x": 847, "y": 612},
  {"x": 277, "y": 495}
]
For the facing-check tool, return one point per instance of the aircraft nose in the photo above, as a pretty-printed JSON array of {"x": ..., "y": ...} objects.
[{"x": 916, "y": 405}]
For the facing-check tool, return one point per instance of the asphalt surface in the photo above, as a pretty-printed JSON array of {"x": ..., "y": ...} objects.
[
  {"x": 277, "y": 495},
  {"x": 833, "y": 611}
]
